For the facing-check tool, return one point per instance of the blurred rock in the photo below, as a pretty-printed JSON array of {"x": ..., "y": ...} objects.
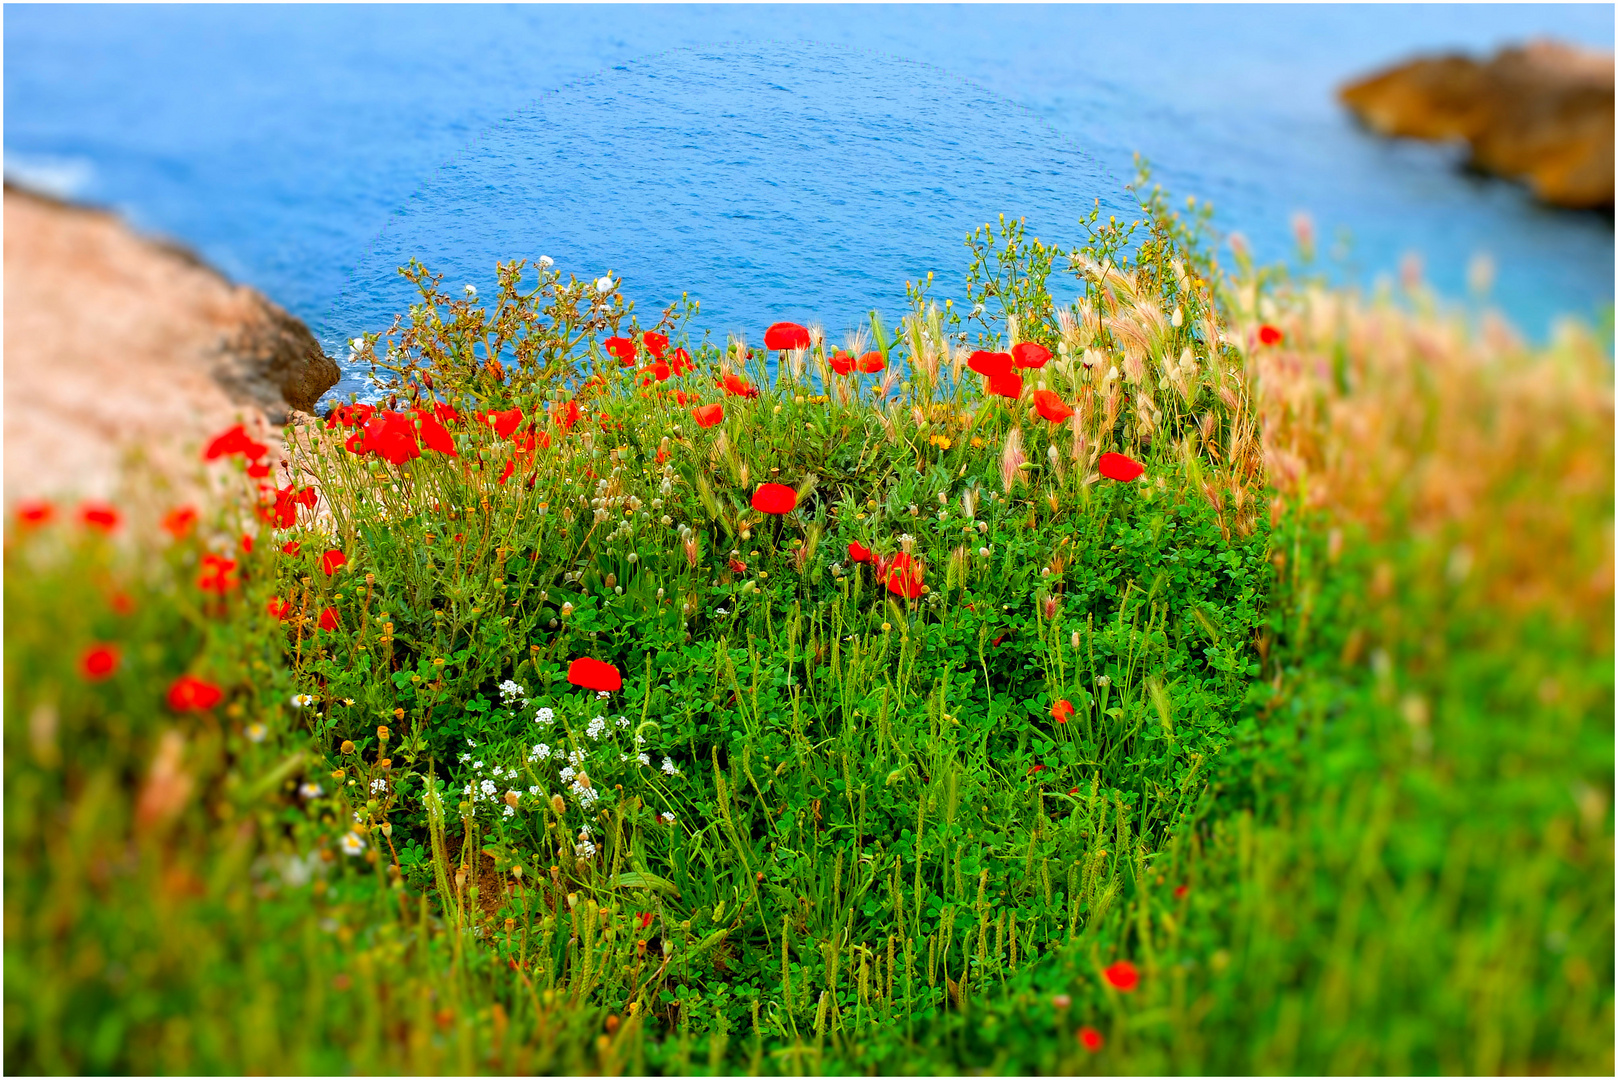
[
  {"x": 1542, "y": 113},
  {"x": 119, "y": 347}
]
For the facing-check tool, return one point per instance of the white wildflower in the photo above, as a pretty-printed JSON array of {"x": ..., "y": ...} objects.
[
  {"x": 471, "y": 292},
  {"x": 302, "y": 701},
  {"x": 378, "y": 785},
  {"x": 310, "y": 791},
  {"x": 597, "y": 728},
  {"x": 256, "y": 732},
  {"x": 668, "y": 767},
  {"x": 644, "y": 758},
  {"x": 353, "y": 844},
  {"x": 544, "y": 716},
  {"x": 604, "y": 285}
]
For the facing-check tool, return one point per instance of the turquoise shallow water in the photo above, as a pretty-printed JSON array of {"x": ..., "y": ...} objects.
[{"x": 796, "y": 162}]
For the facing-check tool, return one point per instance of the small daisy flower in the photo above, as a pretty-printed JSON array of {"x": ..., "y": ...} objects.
[
  {"x": 256, "y": 732},
  {"x": 310, "y": 791},
  {"x": 353, "y": 844},
  {"x": 302, "y": 701},
  {"x": 471, "y": 292}
]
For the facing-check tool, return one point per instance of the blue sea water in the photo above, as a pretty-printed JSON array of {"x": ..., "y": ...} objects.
[{"x": 775, "y": 162}]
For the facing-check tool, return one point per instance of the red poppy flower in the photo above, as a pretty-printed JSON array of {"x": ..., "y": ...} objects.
[
  {"x": 289, "y": 548},
  {"x": 873, "y": 362},
  {"x": 594, "y": 675},
  {"x": 786, "y": 335},
  {"x": 247, "y": 543},
  {"x": 656, "y": 371},
  {"x": 1269, "y": 335},
  {"x": 353, "y": 415},
  {"x": 709, "y": 415},
  {"x": 1119, "y": 467},
  {"x": 903, "y": 576},
  {"x": 278, "y": 608},
  {"x": 1123, "y": 976},
  {"x": 218, "y": 574},
  {"x": 989, "y": 364},
  {"x": 1051, "y": 407},
  {"x": 1028, "y": 354},
  {"x": 565, "y": 417},
  {"x": 258, "y": 470},
  {"x": 235, "y": 441},
  {"x": 1180, "y": 891},
  {"x": 191, "y": 694},
  {"x": 1006, "y": 384},
  {"x": 330, "y": 561},
  {"x": 391, "y": 437},
  {"x": 435, "y": 434},
  {"x": 996, "y": 642},
  {"x": 328, "y": 619},
  {"x": 99, "y": 662},
  {"x": 680, "y": 362},
  {"x": 446, "y": 413},
  {"x": 99, "y": 516},
  {"x": 504, "y": 423},
  {"x": 305, "y": 496},
  {"x": 737, "y": 566},
  {"x": 121, "y": 604},
  {"x": 841, "y": 362},
  {"x": 621, "y": 348},
  {"x": 355, "y": 443},
  {"x": 178, "y": 522},
  {"x": 859, "y": 553},
  {"x": 1091, "y": 1038},
  {"x": 1062, "y": 711},
  {"x": 645, "y": 918},
  {"x": 775, "y": 499},
  {"x": 655, "y": 343},
  {"x": 740, "y": 387},
  {"x": 511, "y": 467},
  {"x": 1036, "y": 769},
  {"x": 35, "y": 513}
]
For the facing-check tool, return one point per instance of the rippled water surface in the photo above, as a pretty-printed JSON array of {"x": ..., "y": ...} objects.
[{"x": 774, "y": 162}]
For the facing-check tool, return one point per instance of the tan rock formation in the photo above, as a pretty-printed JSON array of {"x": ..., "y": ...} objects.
[
  {"x": 121, "y": 348},
  {"x": 1542, "y": 113}
]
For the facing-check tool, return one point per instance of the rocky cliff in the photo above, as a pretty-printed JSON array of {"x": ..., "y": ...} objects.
[
  {"x": 1542, "y": 113},
  {"x": 120, "y": 346}
]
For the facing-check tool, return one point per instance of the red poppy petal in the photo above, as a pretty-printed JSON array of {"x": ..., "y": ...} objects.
[{"x": 1119, "y": 467}]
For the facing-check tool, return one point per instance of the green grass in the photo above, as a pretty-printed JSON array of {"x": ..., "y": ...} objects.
[{"x": 1337, "y": 785}]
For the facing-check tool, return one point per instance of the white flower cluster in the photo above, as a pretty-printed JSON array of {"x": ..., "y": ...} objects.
[
  {"x": 540, "y": 752},
  {"x": 378, "y": 786},
  {"x": 597, "y": 728},
  {"x": 512, "y": 693},
  {"x": 544, "y": 717},
  {"x": 585, "y": 847},
  {"x": 668, "y": 767}
]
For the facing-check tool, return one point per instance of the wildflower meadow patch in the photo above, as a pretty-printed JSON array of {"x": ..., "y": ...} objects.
[{"x": 1168, "y": 681}]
